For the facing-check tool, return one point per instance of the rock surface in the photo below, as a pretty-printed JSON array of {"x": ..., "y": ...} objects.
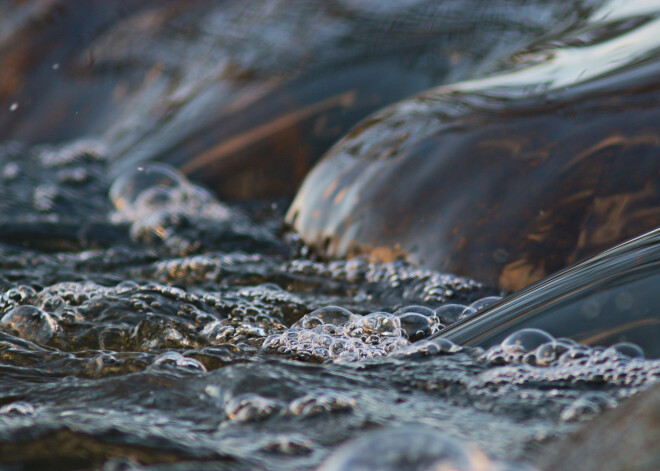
[{"x": 625, "y": 438}]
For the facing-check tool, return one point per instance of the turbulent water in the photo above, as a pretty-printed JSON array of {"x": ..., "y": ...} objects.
[{"x": 147, "y": 325}]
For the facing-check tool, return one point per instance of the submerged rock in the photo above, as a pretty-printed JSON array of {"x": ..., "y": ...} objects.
[
  {"x": 626, "y": 438},
  {"x": 508, "y": 178}
]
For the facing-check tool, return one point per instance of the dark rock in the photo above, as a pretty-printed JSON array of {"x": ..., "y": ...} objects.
[
  {"x": 509, "y": 178},
  {"x": 625, "y": 438}
]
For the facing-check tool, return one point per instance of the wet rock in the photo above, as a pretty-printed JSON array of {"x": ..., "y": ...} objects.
[
  {"x": 510, "y": 178},
  {"x": 625, "y": 438}
]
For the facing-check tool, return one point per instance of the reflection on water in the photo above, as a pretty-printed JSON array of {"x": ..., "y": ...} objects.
[{"x": 507, "y": 178}]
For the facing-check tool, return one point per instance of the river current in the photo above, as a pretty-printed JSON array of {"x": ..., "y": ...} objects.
[{"x": 148, "y": 325}]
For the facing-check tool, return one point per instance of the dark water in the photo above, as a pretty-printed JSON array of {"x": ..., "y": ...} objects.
[
  {"x": 145, "y": 324},
  {"x": 178, "y": 333}
]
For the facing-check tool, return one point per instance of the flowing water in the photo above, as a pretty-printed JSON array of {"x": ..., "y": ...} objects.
[
  {"x": 158, "y": 328},
  {"x": 146, "y": 324}
]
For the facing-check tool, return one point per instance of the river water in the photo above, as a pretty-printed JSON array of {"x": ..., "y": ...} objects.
[{"x": 146, "y": 324}]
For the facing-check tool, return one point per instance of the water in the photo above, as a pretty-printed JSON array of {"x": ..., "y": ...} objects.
[
  {"x": 146, "y": 324},
  {"x": 197, "y": 336}
]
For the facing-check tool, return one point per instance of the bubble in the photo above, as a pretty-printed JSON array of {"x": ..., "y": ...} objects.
[
  {"x": 17, "y": 408},
  {"x": 587, "y": 406},
  {"x": 483, "y": 303},
  {"x": 175, "y": 359},
  {"x": 525, "y": 340},
  {"x": 374, "y": 335},
  {"x": 216, "y": 331},
  {"x": 129, "y": 187},
  {"x": 289, "y": 445},
  {"x": 449, "y": 313},
  {"x": 416, "y": 326},
  {"x": 422, "y": 310},
  {"x": 30, "y": 323},
  {"x": 437, "y": 346},
  {"x": 275, "y": 343},
  {"x": 467, "y": 312},
  {"x": 334, "y": 315},
  {"x": 148, "y": 194},
  {"x": 251, "y": 408},
  {"x": 628, "y": 349},
  {"x": 376, "y": 323},
  {"x": 548, "y": 352},
  {"x": 412, "y": 448},
  {"x": 313, "y": 404},
  {"x": 575, "y": 352}
]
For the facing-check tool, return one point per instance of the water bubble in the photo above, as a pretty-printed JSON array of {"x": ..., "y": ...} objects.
[
  {"x": 467, "y": 312},
  {"x": 313, "y": 404},
  {"x": 483, "y": 303},
  {"x": 413, "y": 448},
  {"x": 575, "y": 353},
  {"x": 449, "y": 313},
  {"x": 424, "y": 311},
  {"x": 216, "y": 331},
  {"x": 177, "y": 360},
  {"x": 628, "y": 349},
  {"x": 376, "y": 323},
  {"x": 525, "y": 340},
  {"x": 127, "y": 189},
  {"x": 147, "y": 191},
  {"x": 289, "y": 445},
  {"x": 416, "y": 326},
  {"x": 251, "y": 408},
  {"x": 587, "y": 407},
  {"x": 548, "y": 352},
  {"x": 30, "y": 323},
  {"x": 436, "y": 346},
  {"x": 17, "y": 408},
  {"x": 334, "y": 315}
]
